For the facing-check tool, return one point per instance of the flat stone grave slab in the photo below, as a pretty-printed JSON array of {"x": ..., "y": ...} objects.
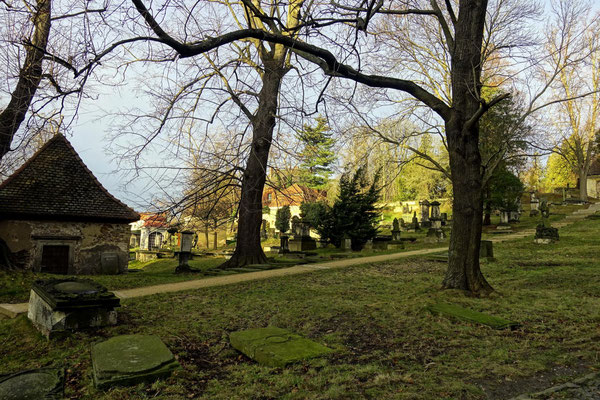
[
  {"x": 60, "y": 305},
  {"x": 131, "y": 359},
  {"x": 454, "y": 311},
  {"x": 276, "y": 347},
  {"x": 35, "y": 384}
]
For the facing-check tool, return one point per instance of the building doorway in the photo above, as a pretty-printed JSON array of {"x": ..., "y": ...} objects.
[{"x": 55, "y": 259}]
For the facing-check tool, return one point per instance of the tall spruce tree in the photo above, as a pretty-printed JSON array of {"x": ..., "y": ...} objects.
[
  {"x": 317, "y": 154},
  {"x": 354, "y": 213}
]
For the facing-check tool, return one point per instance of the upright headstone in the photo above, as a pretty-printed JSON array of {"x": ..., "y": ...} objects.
[
  {"x": 424, "y": 210},
  {"x": 504, "y": 217},
  {"x": 395, "y": 230},
  {"x": 435, "y": 210},
  {"x": 283, "y": 244},
  {"x": 346, "y": 243},
  {"x": 487, "y": 249}
]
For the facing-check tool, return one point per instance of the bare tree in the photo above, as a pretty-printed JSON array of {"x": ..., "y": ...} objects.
[
  {"x": 577, "y": 115},
  {"x": 461, "y": 27},
  {"x": 30, "y": 75}
]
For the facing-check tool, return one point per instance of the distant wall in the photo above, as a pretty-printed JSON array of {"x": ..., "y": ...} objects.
[{"x": 88, "y": 243}]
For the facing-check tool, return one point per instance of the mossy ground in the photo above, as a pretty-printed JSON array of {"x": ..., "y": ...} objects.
[{"x": 387, "y": 346}]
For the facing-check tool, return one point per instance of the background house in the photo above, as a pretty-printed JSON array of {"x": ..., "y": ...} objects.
[
  {"x": 292, "y": 196},
  {"x": 593, "y": 179},
  {"x": 56, "y": 217},
  {"x": 150, "y": 232}
]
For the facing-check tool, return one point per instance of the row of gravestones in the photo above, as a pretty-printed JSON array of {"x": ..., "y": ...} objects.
[{"x": 60, "y": 306}]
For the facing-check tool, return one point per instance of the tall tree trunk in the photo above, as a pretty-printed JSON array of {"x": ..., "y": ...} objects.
[
  {"x": 30, "y": 76},
  {"x": 463, "y": 145},
  {"x": 248, "y": 249},
  {"x": 583, "y": 196}
]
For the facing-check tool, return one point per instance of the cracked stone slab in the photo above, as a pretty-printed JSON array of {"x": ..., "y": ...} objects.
[
  {"x": 276, "y": 347},
  {"x": 130, "y": 359},
  {"x": 35, "y": 384}
]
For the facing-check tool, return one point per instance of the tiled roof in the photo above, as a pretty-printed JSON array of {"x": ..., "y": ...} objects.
[
  {"x": 291, "y": 196},
  {"x": 55, "y": 184}
]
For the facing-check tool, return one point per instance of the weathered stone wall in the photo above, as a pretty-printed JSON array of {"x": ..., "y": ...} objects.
[{"x": 88, "y": 242}]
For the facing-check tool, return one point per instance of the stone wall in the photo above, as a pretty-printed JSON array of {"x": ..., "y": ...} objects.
[{"x": 94, "y": 248}]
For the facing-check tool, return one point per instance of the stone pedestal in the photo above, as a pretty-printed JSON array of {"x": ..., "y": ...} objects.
[
  {"x": 57, "y": 306},
  {"x": 435, "y": 235},
  {"x": 381, "y": 242},
  {"x": 302, "y": 243}
]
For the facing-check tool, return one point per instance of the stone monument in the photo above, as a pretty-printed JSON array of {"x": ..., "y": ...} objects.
[
  {"x": 185, "y": 251},
  {"x": 535, "y": 205},
  {"x": 424, "y": 204},
  {"x": 302, "y": 240},
  {"x": 396, "y": 230},
  {"x": 57, "y": 306},
  {"x": 414, "y": 225}
]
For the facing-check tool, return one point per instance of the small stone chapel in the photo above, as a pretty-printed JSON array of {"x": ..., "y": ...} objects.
[{"x": 56, "y": 217}]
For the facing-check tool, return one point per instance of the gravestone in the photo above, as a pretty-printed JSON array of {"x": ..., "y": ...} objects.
[
  {"x": 444, "y": 218},
  {"x": 395, "y": 230},
  {"x": 35, "y": 384},
  {"x": 424, "y": 210},
  {"x": 414, "y": 225},
  {"x": 276, "y": 347},
  {"x": 60, "y": 305},
  {"x": 435, "y": 235},
  {"x": 346, "y": 243},
  {"x": 263, "y": 230},
  {"x": 535, "y": 206},
  {"x": 302, "y": 240},
  {"x": 283, "y": 244},
  {"x": 487, "y": 249},
  {"x": 504, "y": 217},
  {"x": 544, "y": 233},
  {"x": 131, "y": 359},
  {"x": 435, "y": 210},
  {"x": 109, "y": 263}
]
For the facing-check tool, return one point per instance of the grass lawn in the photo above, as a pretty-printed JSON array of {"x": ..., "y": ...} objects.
[
  {"x": 387, "y": 346},
  {"x": 15, "y": 286}
]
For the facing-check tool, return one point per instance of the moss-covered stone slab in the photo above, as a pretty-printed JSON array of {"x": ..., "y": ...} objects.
[
  {"x": 36, "y": 384},
  {"x": 130, "y": 359},
  {"x": 454, "y": 311},
  {"x": 276, "y": 347}
]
